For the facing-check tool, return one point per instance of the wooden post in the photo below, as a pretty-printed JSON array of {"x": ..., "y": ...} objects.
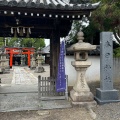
[
  {"x": 11, "y": 57},
  {"x": 51, "y": 56},
  {"x": 28, "y": 58},
  {"x": 54, "y": 53}
]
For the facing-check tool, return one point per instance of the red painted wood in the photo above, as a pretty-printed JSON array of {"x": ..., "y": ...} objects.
[
  {"x": 28, "y": 58},
  {"x": 11, "y": 58},
  {"x": 12, "y": 51}
]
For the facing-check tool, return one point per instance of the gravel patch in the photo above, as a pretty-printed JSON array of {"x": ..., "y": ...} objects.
[
  {"x": 56, "y": 114},
  {"x": 109, "y": 111}
]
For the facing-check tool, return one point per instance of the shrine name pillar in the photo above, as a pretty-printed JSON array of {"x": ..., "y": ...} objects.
[
  {"x": 54, "y": 53},
  {"x": 106, "y": 93}
]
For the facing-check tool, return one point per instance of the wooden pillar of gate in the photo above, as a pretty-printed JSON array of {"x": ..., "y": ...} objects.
[
  {"x": 54, "y": 52},
  {"x": 28, "y": 58},
  {"x": 11, "y": 57}
]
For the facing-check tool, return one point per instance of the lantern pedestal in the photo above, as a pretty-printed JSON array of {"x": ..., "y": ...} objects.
[
  {"x": 81, "y": 95},
  {"x": 82, "y": 99}
]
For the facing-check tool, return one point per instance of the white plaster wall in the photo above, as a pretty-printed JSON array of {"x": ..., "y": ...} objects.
[
  {"x": 92, "y": 73},
  {"x": 116, "y": 70}
]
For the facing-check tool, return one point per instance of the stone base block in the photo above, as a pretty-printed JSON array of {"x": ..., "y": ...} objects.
[
  {"x": 84, "y": 96},
  {"x": 106, "y": 96},
  {"x": 22, "y": 65},
  {"x": 8, "y": 67},
  {"x": 39, "y": 70},
  {"x": 32, "y": 68},
  {"x": 84, "y": 104}
]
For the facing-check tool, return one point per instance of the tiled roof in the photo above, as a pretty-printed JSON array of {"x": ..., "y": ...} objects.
[
  {"x": 48, "y": 4},
  {"x": 46, "y": 50}
]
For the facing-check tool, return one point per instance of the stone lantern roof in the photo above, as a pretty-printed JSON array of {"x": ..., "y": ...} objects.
[{"x": 81, "y": 46}]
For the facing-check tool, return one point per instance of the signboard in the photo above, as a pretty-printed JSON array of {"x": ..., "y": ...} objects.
[
  {"x": 61, "y": 81},
  {"x": 18, "y": 55},
  {"x": 17, "y": 51}
]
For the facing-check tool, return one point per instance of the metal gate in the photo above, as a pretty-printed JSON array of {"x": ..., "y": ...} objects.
[{"x": 47, "y": 89}]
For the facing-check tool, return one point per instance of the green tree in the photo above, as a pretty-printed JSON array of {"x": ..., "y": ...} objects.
[
  {"x": 33, "y": 42},
  {"x": 105, "y": 18},
  {"x": 11, "y": 42},
  {"x": 39, "y": 43},
  {"x": 25, "y": 42},
  {"x": 1, "y": 42}
]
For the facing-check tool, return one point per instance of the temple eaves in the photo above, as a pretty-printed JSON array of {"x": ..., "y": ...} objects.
[
  {"x": 51, "y": 4},
  {"x": 44, "y": 16}
]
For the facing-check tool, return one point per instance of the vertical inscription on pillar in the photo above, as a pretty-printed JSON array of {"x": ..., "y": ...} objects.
[
  {"x": 82, "y": 80},
  {"x": 82, "y": 77},
  {"x": 106, "y": 60}
]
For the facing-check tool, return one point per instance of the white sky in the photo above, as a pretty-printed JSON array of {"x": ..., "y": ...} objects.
[{"x": 47, "y": 41}]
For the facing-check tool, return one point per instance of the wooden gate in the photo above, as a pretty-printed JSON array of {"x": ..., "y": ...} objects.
[{"x": 47, "y": 89}]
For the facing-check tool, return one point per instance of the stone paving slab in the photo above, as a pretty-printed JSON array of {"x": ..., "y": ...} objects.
[
  {"x": 18, "y": 88},
  {"x": 7, "y": 77},
  {"x": 21, "y": 76},
  {"x": 43, "y": 74},
  {"x": 28, "y": 101}
]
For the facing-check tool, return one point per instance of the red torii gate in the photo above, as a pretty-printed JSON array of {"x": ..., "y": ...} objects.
[{"x": 20, "y": 50}]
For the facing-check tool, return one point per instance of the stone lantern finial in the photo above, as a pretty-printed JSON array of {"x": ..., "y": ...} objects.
[{"x": 80, "y": 36}]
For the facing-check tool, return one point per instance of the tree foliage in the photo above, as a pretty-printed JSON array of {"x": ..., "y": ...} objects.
[
  {"x": 105, "y": 18},
  {"x": 23, "y": 42},
  {"x": 1, "y": 42},
  {"x": 116, "y": 52}
]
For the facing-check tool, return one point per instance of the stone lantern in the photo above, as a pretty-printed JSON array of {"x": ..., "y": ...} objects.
[
  {"x": 6, "y": 62},
  {"x": 80, "y": 94},
  {"x": 3, "y": 62},
  {"x": 39, "y": 67},
  {"x": 22, "y": 60},
  {"x": 2, "y": 67},
  {"x": 32, "y": 62}
]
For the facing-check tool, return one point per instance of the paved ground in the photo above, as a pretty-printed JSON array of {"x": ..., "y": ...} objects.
[
  {"x": 30, "y": 77},
  {"x": 104, "y": 112},
  {"x": 21, "y": 76},
  {"x": 22, "y": 93}
]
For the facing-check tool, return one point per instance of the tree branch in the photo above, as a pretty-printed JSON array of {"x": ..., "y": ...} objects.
[{"x": 116, "y": 36}]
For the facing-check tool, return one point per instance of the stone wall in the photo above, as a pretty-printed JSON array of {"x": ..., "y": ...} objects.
[{"x": 93, "y": 72}]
